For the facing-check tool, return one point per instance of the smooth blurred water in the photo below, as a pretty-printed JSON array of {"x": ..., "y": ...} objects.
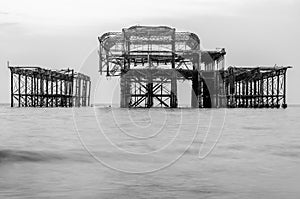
[{"x": 93, "y": 153}]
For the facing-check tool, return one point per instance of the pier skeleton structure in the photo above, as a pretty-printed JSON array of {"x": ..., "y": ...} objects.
[
  {"x": 33, "y": 86},
  {"x": 150, "y": 60}
]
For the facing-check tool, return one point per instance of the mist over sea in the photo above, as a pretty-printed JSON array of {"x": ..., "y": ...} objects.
[{"x": 103, "y": 152}]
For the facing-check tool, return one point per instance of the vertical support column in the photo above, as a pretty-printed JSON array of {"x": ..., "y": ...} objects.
[
  {"x": 247, "y": 94},
  {"x": 149, "y": 86},
  {"x": 70, "y": 82},
  {"x": 278, "y": 89},
  {"x": 231, "y": 88},
  {"x": 235, "y": 93},
  {"x": 19, "y": 89},
  {"x": 161, "y": 92},
  {"x": 35, "y": 90},
  {"x": 100, "y": 55},
  {"x": 89, "y": 95},
  {"x": 173, "y": 100},
  {"x": 61, "y": 94},
  {"x": 11, "y": 87},
  {"x": 243, "y": 93},
  {"x": 149, "y": 95},
  {"x": 267, "y": 93},
  {"x": 84, "y": 92},
  {"x": 66, "y": 92},
  {"x": 261, "y": 101},
  {"x": 257, "y": 93},
  {"x": 31, "y": 90},
  {"x": 37, "y": 102},
  {"x": 272, "y": 93},
  {"x": 56, "y": 92},
  {"x": 76, "y": 91},
  {"x": 253, "y": 94},
  {"x": 200, "y": 90},
  {"x": 72, "y": 88},
  {"x": 173, "y": 49},
  {"x": 221, "y": 95},
  {"x": 26, "y": 96},
  {"x": 195, "y": 90},
  {"x": 107, "y": 63},
  {"x": 125, "y": 91},
  {"x": 52, "y": 97},
  {"x": 284, "y": 105},
  {"x": 127, "y": 51},
  {"x": 239, "y": 103},
  {"x": 41, "y": 91},
  {"x": 207, "y": 91},
  {"x": 216, "y": 85},
  {"x": 79, "y": 92},
  {"x": 47, "y": 90}
]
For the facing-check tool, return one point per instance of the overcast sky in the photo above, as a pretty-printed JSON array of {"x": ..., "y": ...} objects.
[{"x": 63, "y": 33}]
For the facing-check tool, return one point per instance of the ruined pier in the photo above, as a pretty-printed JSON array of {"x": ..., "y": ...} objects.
[
  {"x": 33, "y": 86},
  {"x": 150, "y": 60}
]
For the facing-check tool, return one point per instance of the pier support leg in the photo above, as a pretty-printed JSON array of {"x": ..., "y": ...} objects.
[
  {"x": 284, "y": 105},
  {"x": 195, "y": 91},
  {"x": 12, "y": 89},
  {"x": 173, "y": 100},
  {"x": 125, "y": 91}
]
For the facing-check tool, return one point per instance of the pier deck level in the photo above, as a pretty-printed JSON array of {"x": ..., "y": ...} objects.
[
  {"x": 33, "y": 86},
  {"x": 150, "y": 60}
]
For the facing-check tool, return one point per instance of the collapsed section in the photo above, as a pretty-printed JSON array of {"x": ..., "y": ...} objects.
[
  {"x": 255, "y": 87},
  {"x": 38, "y": 87}
]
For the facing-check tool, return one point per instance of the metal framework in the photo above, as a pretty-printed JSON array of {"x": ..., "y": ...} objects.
[
  {"x": 256, "y": 87},
  {"x": 150, "y": 61},
  {"x": 38, "y": 87}
]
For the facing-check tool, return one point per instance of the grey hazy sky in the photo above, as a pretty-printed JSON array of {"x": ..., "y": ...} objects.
[{"x": 63, "y": 33}]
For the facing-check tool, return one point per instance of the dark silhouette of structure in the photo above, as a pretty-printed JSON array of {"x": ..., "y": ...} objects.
[{"x": 150, "y": 61}]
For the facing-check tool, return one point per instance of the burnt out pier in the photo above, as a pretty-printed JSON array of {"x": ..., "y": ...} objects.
[
  {"x": 151, "y": 60},
  {"x": 33, "y": 86}
]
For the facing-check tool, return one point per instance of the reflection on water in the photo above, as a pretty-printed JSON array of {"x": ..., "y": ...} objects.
[{"x": 42, "y": 155}]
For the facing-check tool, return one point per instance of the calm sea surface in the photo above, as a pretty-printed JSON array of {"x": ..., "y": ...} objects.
[{"x": 149, "y": 153}]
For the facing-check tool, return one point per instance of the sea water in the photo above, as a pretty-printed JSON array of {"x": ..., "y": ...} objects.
[{"x": 103, "y": 152}]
